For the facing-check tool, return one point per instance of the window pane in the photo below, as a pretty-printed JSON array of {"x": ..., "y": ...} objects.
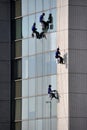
[
  {"x": 32, "y": 125},
  {"x": 47, "y": 4},
  {"x": 24, "y": 88},
  {"x": 24, "y": 7},
  {"x": 39, "y": 124},
  {"x": 39, "y": 65},
  {"x": 32, "y": 108},
  {"x": 39, "y": 86},
  {"x": 53, "y": 42},
  {"x": 17, "y": 8},
  {"x": 53, "y": 63},
  {"x": 31, "y": 6},
  {"x": 18, "y": 29},
  {"x": 39, "y": 5},
  {"x": 24, "y": 47},
  {"x": 25, "y": 27},
  {"x": 25, "y": 67},
  {"x": 32, "y": 87},
  {"x": 31, "y": 46},
  {"x": 32, "y": 65},
  {"x": 18, "y": 89},
  {"x": 18, "y": 49},
  {"x": 53, "y": 3},
  {"x": 38, "y": 107},
  {"x": 25, "y": 125},
  {"x": 31, "y": 21},
  {"x": 18, "y": 126},
  {"x": 25, "y": 108},
  {"x": 18, "y": 106},
  {"x": 17, "y": 69}
]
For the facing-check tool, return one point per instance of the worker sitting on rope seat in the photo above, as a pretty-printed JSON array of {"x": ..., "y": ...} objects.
[
  {"x": 50, "y": 21},
  {"x": 38, "y": 35},
  {"x": 34, "y": 30},
  {"x": 58, "y": 57},
  {"x": 45, "y": 24},
  {"x": 52, "y": 93}
]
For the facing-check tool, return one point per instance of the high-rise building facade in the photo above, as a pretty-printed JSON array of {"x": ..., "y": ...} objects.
[{"x": 28, "y": 65}]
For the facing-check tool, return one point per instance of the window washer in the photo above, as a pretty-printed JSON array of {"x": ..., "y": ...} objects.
[{"x": 58, "y": 57}]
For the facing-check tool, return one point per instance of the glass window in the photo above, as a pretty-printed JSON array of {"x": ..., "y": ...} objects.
[
  {"x": 39, "y": 4},
  {"x": 24, "y": 47},
  {"x": 24, "y": 7},
  {"x": 18, "y": 48},
  {"x": 25, "y": 125},
  {"x": 39, "y": 44},
  {"x": 32, "y": 125},
  {"x": 31, "y": 6},
  {"x": 53, "y": 41},
  {"x": 46, "y": 64},
  {"x": 24, "y": 88},
  {"x": 18, "y": 29},
  {"x": 39, "y": 62},
  {"x": 32, "y": 87},
  {"x": 47, "y": 4},
  {"x": 31, "y": 46},
  {"x": 18, "y": 110},
  {"x": 18, "y": 126},
  {"x": 45, "y": 84},
  {"x": 18, "y": 89},
  {"x": 53, "y": 63},
  {"x": 31, "y": 21},
  {"x": 25, "y": 67},
  {"x": 25, "y": 108},
  {"x": 32, "y": 108},
  {"x": 25, "y": 27},
  {"x": 17, "y": 8},
  {"x": 53, "y": 3},
  {"x": 39, "y": 125},
  {"x": 39, "y": 86},
  {"x": 32, "y": 65},
  {"x": 17, "y": 69},
  {"x": 38, "y": 107}
]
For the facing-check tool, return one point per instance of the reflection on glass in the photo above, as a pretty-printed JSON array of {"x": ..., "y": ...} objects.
[
  {"x": 31, "y": 46},
  {"x": 32, "y": 87},
  {"x": 24, "y": 88},
  {"x": 18, "y": 88},
  {"x": 31, "y": 21},
  {"x": 25, "y": 27},
  {"x": 53, "y": 3},
  {"x": 18, "y": 29},
  {"x": 32, "y": 108},
  {"x": 25, "y": 108},
  {"x": 18, "y": 48},
  {"x": 24, "y": 47},
  {"x": 18, "y": 106},
  {"x": 39, "y": 5},
  {"x": 31, "y": 6},
  {"x": 24, "y": 7},
  {"x": 32, "y": 65},
  {"x": 25, "y": 67}
]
